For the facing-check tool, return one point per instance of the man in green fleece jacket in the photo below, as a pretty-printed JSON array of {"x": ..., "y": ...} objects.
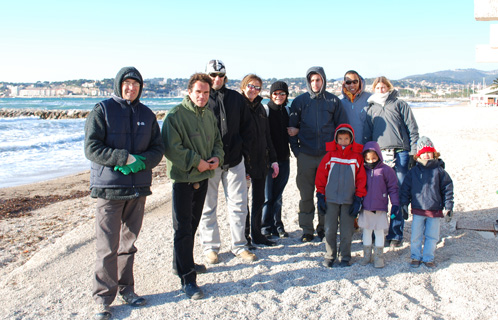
[{"x": 193, "y": 149}]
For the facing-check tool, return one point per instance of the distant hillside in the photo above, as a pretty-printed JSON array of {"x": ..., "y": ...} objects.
[{"x": 458, "y": 76}]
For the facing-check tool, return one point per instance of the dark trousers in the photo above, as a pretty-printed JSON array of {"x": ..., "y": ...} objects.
[
  {"x": 187, "y": 210},
  {"x": 117, "y": 225},
  {"x": 258, "y": 200},
  {"x": 272, "y": 211},
  {"x": 335, "y": 213}
]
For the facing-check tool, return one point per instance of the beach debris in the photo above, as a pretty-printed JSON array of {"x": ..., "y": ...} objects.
[{"x": 21, "y": 206}]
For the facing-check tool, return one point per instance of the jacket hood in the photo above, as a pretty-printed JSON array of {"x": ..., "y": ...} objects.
[
  {"x": 189, "y": 105},
  {"x": 362, "y": 87},
  {"x": 431, "y": 163},
  {"x": 374, "y": 146},
  {"x": 127, "y": 73},
  {"x": 321, "y": 72},
  {"x": 353, "y": 146},
  {"x": 344, "y": 127}
]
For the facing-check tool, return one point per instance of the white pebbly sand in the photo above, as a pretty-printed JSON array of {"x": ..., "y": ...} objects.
[{"x": 288, "y": 281}]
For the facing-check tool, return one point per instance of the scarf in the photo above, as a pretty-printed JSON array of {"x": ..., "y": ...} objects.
[{"x": 379, "y": 98}]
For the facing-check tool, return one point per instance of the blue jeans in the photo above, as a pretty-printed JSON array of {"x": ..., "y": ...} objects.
[
  {"x": 397, "y": 224},
  {"x": 424, "y": 229},
  {"x": 272, "y": 211}
]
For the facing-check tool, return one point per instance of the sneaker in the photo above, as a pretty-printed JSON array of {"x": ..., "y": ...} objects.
[
  {"x": 430, "y": 264},
  {"x": 344, "y": 264},
  {"x": 395, "y": 243},
  {"x": 283, "y": 234},
  {"x": 307, "y": 237},
  {"x": 211, "y": 257},
  {"x": 329, "y": 263},
  {"x": 247, "y": 256},
  {"x": 132, "y": 299},
  {"x": 199, "y": 268},
  {"x": 102, "y": 312},
  {"x": 321, "y": 235},
  {"x": 193, "y": 291},
  {"x": 415, "y": 263}
]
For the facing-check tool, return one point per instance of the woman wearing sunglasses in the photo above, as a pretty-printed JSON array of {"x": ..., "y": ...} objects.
[
  {"x": 278, "y": 118},
  {"x": 261, "y": 155}
]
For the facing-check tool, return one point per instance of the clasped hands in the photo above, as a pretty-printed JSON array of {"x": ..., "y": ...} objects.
[{"x": 210, "y": 164}]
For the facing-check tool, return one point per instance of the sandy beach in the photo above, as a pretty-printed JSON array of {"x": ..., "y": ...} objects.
[{"x": 47, "y": 251}]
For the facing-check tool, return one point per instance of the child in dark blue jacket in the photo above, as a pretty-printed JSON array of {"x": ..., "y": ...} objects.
[{"x": 429, "y": 189}]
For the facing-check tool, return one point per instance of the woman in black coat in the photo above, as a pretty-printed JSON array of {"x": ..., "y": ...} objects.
[{"x": 261, "y": 155}]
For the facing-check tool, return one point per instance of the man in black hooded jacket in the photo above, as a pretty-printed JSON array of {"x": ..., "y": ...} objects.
[
  {"x": 123, "y": 142},
  {"x": 316, "y": 114}
]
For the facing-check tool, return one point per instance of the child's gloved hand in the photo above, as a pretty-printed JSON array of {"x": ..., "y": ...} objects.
[
  {"x": 394, "y": 212},
  {"x": 411, "y": 162},
  {"x": 356, "y": 206},
  {"x": 404, "y": 211},
  {"x": 447, "y": 215},
  {"x": 321, "y": 204}
]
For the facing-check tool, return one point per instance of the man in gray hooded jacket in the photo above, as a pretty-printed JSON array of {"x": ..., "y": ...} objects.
[
  {"x": 123, "y": 142},
  {"x": 316, "y": 114}
]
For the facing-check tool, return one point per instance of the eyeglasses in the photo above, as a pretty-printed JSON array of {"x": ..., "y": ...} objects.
[
  {"x": 352, "y": 81},
  {"x": 218, "y": 74},
  {"x": 131, "y": 84},
  {"x": 282, "y": 94},
  {"x": 251, "y": 86}
]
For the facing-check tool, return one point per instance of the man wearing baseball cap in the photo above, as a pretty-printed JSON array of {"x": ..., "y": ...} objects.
[{"x": 236, "y": 131}]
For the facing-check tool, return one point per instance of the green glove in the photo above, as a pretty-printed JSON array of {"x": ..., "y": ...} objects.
[
  {"x": 137, "y": 165},
  {"x": 123, "y": 169}
]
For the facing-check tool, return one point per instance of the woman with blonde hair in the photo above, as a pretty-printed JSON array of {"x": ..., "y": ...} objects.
[
  {"x": 391, "y": 123},
  {"x": 261, "y": 154}
]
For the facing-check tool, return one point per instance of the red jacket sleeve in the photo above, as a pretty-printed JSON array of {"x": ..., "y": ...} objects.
[
  {"x": 361, "y": 179},
  {"x": 322, "y": 174}
]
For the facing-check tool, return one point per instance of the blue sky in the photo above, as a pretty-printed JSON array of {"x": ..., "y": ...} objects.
[{"x": 64, "y": 40}]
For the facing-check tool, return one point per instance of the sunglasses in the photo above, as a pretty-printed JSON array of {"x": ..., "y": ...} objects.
[
  {"x": 251, "y": 86},
  {"x": 282, "y": 94},
  {"x": 352, "y": 81},
  {"x": 218, "y": 74}
]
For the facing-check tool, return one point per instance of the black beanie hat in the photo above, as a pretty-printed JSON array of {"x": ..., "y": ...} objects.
[{"x": 279, "y": 85}]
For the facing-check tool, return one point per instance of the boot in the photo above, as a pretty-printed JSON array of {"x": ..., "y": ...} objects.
[
  {"x": 367, "y": 255},
  {"x": 378, "y": 259}
]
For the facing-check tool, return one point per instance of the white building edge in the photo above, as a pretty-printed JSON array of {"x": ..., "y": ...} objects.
[{"x": 487, "y": 97}]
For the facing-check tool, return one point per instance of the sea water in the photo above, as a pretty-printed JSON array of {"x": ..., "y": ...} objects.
[{"x": 33, "y": 149}]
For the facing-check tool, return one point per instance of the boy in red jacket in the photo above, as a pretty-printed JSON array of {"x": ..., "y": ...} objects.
[{"x": 341, "y": 185}]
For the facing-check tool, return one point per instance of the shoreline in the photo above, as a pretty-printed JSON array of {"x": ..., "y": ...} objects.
[{"x": 160, "y": 114}]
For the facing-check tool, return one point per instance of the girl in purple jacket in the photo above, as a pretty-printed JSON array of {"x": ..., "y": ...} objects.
[{"x": 381, "y": 182}]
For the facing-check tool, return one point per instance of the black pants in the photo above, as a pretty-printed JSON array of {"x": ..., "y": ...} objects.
[
  {"x": 258, "y": 200},
  {"x": 187, "y": 210}
]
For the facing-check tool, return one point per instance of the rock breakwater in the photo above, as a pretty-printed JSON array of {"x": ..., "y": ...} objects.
[{"x": 55, "y": 114}]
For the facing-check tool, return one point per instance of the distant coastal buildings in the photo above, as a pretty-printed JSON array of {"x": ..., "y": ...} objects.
[
  {"x": 33, "y": 91},
  {"x": 423, "y": 87}
]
